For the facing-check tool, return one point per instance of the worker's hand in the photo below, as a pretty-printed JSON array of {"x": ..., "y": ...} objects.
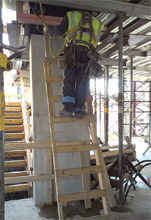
[{"x": 46, "y": 29}]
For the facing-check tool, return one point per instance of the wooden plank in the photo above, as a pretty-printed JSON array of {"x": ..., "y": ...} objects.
[
  {"x": 21, "y": 146},
  {"x": 24, "y": 179},
  {"x": 70, "y": 143},
  {"x": 82, "y": 195},
  {"x": 14, "y": 128},
  {"x": 10, "y": 136},
  {"x": 17, "y": 153},
  {"x": 13, "y": 121},
  {"x": 78, "y": 171},
  {"x": 74, "y": 148},
  {"x": 16, "y": 188},
  {"x": 86, "y": 177},
  {"x": 86, "y": 118},
  {"x": 113, "y": 153},
  {"x": 15, "y": 163},
  {"x": 13, "y": 115},
  {"x": 13, "y": 109},
  {"x": 12, "y": 104},
  {"x": 16, "y": 173}
]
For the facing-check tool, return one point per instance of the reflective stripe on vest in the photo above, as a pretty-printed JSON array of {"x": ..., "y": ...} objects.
[{"x": 74, "y": 17}]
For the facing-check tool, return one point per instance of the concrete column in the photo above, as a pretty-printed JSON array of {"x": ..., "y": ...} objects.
[
  {"x": 40, "y": 125},
  {"x": 64, "y": 131}
]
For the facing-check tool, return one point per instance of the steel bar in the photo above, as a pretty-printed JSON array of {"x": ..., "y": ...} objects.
[
  {"x": 106, "y": 105},
  {"x": 2, "y": 198},
  {"x": 120, "y": 107},
  {"x": 131, "y": 100}
]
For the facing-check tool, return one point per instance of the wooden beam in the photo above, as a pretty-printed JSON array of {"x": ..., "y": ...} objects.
[
  {"x": 16, "y": 136},
  {"x": 24, "y": 179},
  {"x": 17, "y": 153},
  {"x": 15, "y": 163},
  {"x": 79, "y": 171},
  {"x": 13, "y": 121},
  {"x": 12, "y": 115},
  {"x": 12, "y": 109},
  {"x": 16, "y": 173},
  {"x": 82, "y": 195},
  {"x": 16, "y": 188},
  {"x": 74, "y": 148},
  {"x": 12, "y": 104},
  {"x": 14, "y": 128},
  {"x": 21, "y": 146}
]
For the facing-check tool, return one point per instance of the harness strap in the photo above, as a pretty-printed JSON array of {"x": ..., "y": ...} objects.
[{"x": 83, "y": 42}]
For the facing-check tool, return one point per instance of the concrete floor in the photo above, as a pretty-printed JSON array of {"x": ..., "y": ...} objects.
[{"x": 137, "y": 207}]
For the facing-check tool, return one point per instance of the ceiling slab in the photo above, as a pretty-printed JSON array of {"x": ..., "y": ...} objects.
[{"x": 112, "y": 6}]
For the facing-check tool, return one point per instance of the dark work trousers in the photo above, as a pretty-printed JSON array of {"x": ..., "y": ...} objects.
[{"x": 76, "y": 84}]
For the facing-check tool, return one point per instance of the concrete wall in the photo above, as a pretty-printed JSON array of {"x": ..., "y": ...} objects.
[{"x": 63, "y": 132}]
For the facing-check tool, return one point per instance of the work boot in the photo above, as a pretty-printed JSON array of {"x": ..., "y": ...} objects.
[
  {"x": 65, "y": 113},
  {"x": 80, "y": 114}
]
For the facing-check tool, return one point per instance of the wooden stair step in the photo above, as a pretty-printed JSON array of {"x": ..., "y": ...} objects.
[
  {"x": 14, "y": 128},
  {"x": 74, "y": 148},
  {"x": 16, "y": 153},
  {"x": 61, "y": 119},
  {"x": 13, "y": 121},
  {"x": 12, "y": 104},
  {"x": 18, "y": 136},
  {"x": 13, "y": 115},
  {"x": 82, "y": 195},
  {"x": 15, "y": 163},
  {"x": 16, "y": 188},
  {"x": 16, "y": 173},
  {"x": 13, "y": 109},
  {"x": 79, "y": 171}
]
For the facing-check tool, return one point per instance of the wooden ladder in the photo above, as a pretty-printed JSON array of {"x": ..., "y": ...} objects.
[{"x": 104, "y": 190}]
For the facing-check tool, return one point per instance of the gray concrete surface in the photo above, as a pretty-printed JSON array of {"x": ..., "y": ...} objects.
[{"x": 137, "y": 208}]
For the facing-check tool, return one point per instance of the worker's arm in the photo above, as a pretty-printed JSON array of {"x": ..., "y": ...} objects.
[{"x": 60, "y": 29}]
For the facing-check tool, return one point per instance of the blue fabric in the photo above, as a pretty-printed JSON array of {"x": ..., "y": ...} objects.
[
  {"x": 79, "y": 109},
  {"x": 68, "y": 99},
  {"x": 1, "y": 135}
]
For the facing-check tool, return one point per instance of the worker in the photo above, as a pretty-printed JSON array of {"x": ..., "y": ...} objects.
[{"x": 76, "y": 73}]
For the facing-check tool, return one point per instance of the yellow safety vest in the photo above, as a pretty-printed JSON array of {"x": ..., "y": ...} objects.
[{"x": 74, "y": 17}]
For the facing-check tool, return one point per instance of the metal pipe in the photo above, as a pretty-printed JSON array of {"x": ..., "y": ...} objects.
[
  {"x": 120, "y": 106},
  {"x": 150, "y": 119},
  {"x": 134, "y": 109},
  {"x": 131, "y": 100},
  {"x": 2, "y": 198},
  {"x": 95, "y": 99},
  {"x": 106, "y": 105}
]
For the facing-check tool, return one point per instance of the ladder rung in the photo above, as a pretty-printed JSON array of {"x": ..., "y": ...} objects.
[
  {"x": 82, "y": 195},
  {"x": 60, "y": 119},
  {"x": 55, "y": 98},
  {"x": 79, "y": 171},
  {"x": 56, "y": 78},
  {"x": 75, "y": 148}
]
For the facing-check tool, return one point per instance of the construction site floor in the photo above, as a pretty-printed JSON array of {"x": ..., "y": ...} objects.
[{"x": 137, "y": 207}]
